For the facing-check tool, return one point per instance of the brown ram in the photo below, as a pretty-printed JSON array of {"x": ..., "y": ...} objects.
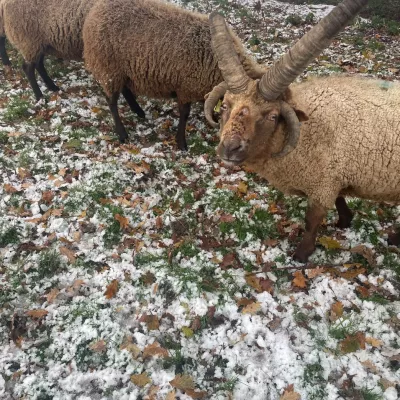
[{"x": 337, "y": 136}]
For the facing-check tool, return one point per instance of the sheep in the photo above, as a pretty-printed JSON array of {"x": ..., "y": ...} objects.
[
  {"x": 325, "y": 138},
  {"x": 157, "y": 50},
  {"x": 54, "y": 27},
  {"x": 3, "y": 52}
]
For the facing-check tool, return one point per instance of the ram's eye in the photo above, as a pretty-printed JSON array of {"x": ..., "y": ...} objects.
[{"x": 273, "y": 117}]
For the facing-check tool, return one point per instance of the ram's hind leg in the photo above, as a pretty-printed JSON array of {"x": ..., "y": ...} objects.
[
  {"x": 3, "y": 52},
  {"x": 43, "y": 73},
  {"x": 133, "y": 104},
  {"x": 345, "y": 214},
  {"x": 314, "y": 216},
  {"x": 119, "y": 126},
  {"x": 29, "y": 69},
  {"x": 184, "y": 112}
]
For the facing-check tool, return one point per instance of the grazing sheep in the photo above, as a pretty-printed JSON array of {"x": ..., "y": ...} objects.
[
  {"x": 348, "y": 143},
  {"x": 3, "y": 52},
  {"x": 40, "y": 27},
  {"x": 155, "y": 49}
]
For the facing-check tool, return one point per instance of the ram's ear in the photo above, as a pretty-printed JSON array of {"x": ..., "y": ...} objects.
[{"x": 301, "y": 115}]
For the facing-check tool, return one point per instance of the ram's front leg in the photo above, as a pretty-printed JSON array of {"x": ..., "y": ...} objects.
[{"x": 314, "y": 216}]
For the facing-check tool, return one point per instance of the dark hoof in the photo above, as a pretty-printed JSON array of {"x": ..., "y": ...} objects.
[
  {"x": 394, "y": 239},
  {"x": 344, "y": 222},
  {"x": 141, "y": 114},
  {"x": 54, "y": 88},
  {"x": 183, "y": 146},
  {"x": 302, "y": 254}
]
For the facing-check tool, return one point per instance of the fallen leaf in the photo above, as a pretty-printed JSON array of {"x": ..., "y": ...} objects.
[
  {"x": 151, "y": 321},
  {"x": 9, "y": 188},
  {"x": 386, "y": 383},
  {"x": 373, "y": 342},
  {"x": 299, "y": 280},
  {"x": 312, "y": 273},
  {"x": 99, "y": 347},
  {"x": 38, "y": 313},
  {"x": 365, "y": 252},
  {"x": 352, "y": 343},
  {"x": 242, "y": 187},
  {"x": 52, "y": 295},
  {"x": 128, "y": 345},
  {"x": 154, "y": 349},
  {"x": 370, "y": 365},
  {"x": 170, "y": 395},
  {"x": 254, "y": 282},
  {"x": 152, "y": 393},
  {"x": 251, "y": 308},
  {"x": 329, "y": 243},
  {"x": 68, "y": 253},
  {"x": 140, "y": 380},
  {"x": 183, "y": 382},
  {"x": 228, "y": 260},
  {"x": 336, "y": 310},
  {"x": 290, "y": 394},
  {"x": 47, "y": 196},
  {"x": 111, "y": 289},
  {"x": 123, "y": 221},
  {"x": 187, "y": 331},
  {"x": 195, "y": 395}
]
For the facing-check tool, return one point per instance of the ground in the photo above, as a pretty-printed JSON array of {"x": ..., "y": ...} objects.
[{"x": 141, "y": 272}]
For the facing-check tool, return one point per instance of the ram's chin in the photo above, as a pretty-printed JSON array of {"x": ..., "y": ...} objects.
[{"x": 232, "y": 163}]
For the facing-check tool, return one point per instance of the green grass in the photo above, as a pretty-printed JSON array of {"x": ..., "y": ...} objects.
[
  {"x": 9, "y": 235},
  {"x": 342, "y": 328},
  {"x": 49, "y": 264},
  {"x": 17, "y": 109}
]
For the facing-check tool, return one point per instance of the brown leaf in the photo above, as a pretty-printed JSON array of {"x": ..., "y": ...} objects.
[
  {"x": 111, "y": 289},
  {"x": 352, "y": 343},
  {"x": 228, "y": 260},
  {"x": 195, "y": 395},
  {"x": 99, "y": 347},
  {"x": 373, "y": 342},
  {"x": 170, "y": 395},
  {"x": 267, "y": 285},
  {"x": 152, "y": 322},
  {"x": 290, "y": 394},
  {"x": 159, "y": 222},
  {"x": 38, "y": 313},
  {"x": 9, "y": 188},
  {"x": 370, "y": 365},
  {"x": 336, "y": 310},
  {"x": 123, "y": 221},
  {"x": 128, "y": 345},
  {"x": 299, "y": 280},
  {"x": 152, "y": 393},
  {"x": 47, "y": 196},
  {"x": 312, "y": 273},
  {"x": 254, "y": 282},
  {"x": 52, "y": 295},
  {"x": 365, "y": 252},
  {"x": 242, "y": 187},
  {"x": 155, "y": 349},
  {"x": 68, "y": 253},
  {"x": 140, "y": 380},
  {"x": 148, "y": 278},
  {"x": 351, "y": 273},
  {"x": 252, "y": 308},
  {"x": 183, "y": 382},
  {"x": 227, "y": 218},
  {"x": 23, "y": 173},
  {"x": 364, "y": 292}
]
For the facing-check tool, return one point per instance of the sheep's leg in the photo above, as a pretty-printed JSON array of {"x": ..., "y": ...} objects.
[
  {"x": 345, "y": 214},
  {"x": 3, "y": 52},
  {"x": 43, "y": 73},
  {"x": 394, "y": 238},
  {"x": 184, "y": 111},
  {"x": 119, "y": 126},
  {"x": 314, "y": 216},
  {"x": 29, "y": 69},
  {"x": 133, "y": 104}
]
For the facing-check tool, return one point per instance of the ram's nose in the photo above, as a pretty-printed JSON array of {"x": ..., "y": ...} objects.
[{"x": 232, "y": 149}]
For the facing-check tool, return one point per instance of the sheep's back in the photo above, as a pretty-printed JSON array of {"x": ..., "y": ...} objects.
[
  {"x": 162, "y": 48},
  {"x": 351, "y": 141},
  {"x": 46, "y": 26}
]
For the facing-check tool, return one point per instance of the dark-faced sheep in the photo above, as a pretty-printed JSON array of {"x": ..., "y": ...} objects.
[
  {"x": 155, "y": 49},
  {"x": 54, "y": 27},
  {"x": 348, "y": 142}
]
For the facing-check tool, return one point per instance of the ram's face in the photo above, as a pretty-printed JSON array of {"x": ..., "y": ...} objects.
[{"x": 247, "y": 125}]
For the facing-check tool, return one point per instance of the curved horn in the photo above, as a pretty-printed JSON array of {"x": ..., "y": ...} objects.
[
  {"x": 293, "y": 63},
  {"x": 212, "y": 100},
  {"x": 293, "y": 128},
  {"x": 228, "y": 60}
]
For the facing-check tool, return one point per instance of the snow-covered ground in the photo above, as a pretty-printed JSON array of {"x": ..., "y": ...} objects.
[{"x": 140, "y": 272}]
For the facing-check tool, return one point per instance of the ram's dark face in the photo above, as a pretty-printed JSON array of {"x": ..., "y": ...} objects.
[{"x": 247, "y": 124}]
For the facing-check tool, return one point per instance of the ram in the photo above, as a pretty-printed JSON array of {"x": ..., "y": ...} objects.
[
  {"x": 3, "y": 51},
  {"x": 157, "y": 50},
  {"x": 325, "y": 139},
  {"x": 49, "y": 27}
]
